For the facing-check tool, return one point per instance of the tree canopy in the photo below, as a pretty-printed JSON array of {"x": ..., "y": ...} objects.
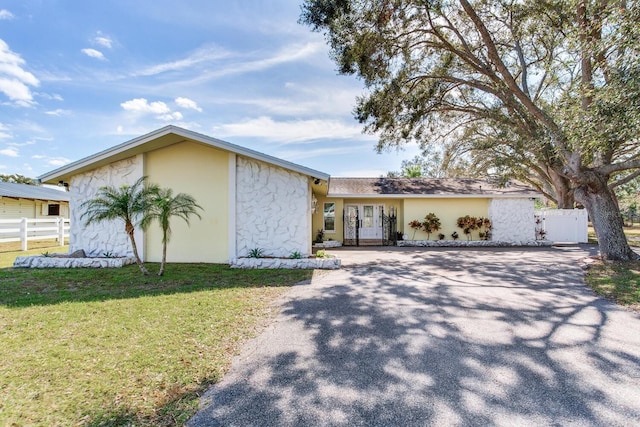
[
  {"x": 17, "y": 179},
  {"x": 551, "y": 88}
]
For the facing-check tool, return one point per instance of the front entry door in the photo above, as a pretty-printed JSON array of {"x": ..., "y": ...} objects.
[{"x": 368, "y": 221}]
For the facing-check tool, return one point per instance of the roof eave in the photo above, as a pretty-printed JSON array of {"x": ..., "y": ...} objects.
[
  {"x": 112, "y": 152},
  {"x": 435, "y": 196}
]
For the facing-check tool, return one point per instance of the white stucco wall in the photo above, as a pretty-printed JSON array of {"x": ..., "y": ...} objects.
[
  {"x": 512, "y": 220},
  {"x": 273, "y": 211},
  {"x": 107, "y": 236}
]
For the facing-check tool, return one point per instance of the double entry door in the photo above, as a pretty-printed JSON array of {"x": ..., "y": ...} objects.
[{"x": 365, "y": 220}]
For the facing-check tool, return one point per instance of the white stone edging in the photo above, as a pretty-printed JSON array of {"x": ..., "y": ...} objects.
[
  {"x": 471, "y": 243},
  {"x": 59, "y": 262},
  {"x": 302, "y": 263},
  {"x": 328, "y": 244}
]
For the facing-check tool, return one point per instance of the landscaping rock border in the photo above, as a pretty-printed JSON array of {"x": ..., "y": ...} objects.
[
  {"x": 303, "y": 263},
  {"x": 328, "y": 244},
  {"x": 471, "y": 243},
  {"x": 67, "y": 262}
]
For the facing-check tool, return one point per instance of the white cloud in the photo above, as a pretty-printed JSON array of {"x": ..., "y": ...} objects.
[
  {"x": 5, "y": 14},
  {"x": 14, "y": 79},
  {"x": 50, "y": 96},
  {"x": 171, "y": 116},
  {"x": 92, "y": 53},
  {"x": 9, "y": 152},
  {"x": 4, "y": 132},
  {"x": 104, "y": 41},
  {"x": 141, "y": 105},
  {"x": 59, "y": 112},
  {"x": 52, "y": 161},
  {"x": 58, "y": 161},
  {"x": 199, "y": 56},
  {"x": 188, "y": 104},
  {"x": 306, "y": 153},
  {"x": 290, "y": 131},
  {"x": 290, "y": 53}
]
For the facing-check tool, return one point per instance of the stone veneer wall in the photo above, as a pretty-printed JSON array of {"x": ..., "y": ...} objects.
[
  {"x": 512, "y": 220},
  {"x": 107, "y": 236},
  {"x": 272, "y": 210}
]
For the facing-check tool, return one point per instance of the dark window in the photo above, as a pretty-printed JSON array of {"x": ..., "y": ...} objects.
[{"x": 54, "y": 209}]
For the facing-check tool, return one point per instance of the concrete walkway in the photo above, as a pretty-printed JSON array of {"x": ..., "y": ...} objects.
[{"x": 416, "y": 337}]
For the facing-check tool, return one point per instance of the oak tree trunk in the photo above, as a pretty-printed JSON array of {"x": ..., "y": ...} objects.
[
  {"x": 563, "y": 190},
  {"x": 605, "y": 216}
]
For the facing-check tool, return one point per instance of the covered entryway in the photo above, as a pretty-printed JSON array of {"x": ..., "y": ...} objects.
[{"x": 368, "y": 225}]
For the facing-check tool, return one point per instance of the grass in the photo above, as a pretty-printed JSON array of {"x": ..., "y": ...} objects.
[
  {"x": 632, "y": 233},
  {"x": 9, "y": 251},
  {"x": 617, "y": 281},
  {"x": 110, "y": 347}
]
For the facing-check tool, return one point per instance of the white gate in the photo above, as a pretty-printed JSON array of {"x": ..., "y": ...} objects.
[{"x": 562, "y": 225}]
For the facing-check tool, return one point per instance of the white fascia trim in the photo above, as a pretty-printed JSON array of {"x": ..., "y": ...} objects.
[
  {"x": 232, "y": 209},
  {"x": 432, "y": 196}
]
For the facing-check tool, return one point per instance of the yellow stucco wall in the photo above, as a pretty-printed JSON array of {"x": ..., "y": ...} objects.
[
  {"x": 448, "y": 210},
  {"x": 317, "y": 219},
  {"x": 202, "y": 172}
]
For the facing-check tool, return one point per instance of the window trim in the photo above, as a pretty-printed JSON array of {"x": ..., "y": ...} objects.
[
  {"x": 51, "y": 205},
  {"x": 325, "y": 216}
]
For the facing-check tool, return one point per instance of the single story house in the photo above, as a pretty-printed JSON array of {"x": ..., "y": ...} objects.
[
  {"x": 252, "y": 200},
  {"x": 32, "y": 201},
  {"x": 364, "y": 207}
]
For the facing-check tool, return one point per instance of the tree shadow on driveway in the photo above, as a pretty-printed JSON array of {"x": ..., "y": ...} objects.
[{"x": 447, "y": 337}]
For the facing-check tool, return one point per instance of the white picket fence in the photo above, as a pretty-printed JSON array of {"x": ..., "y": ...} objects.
[
  {"x": 28, "y": 229},
  {"x": 563, "y": 225}
]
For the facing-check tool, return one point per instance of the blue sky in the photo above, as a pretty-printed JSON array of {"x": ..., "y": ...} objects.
[{"x": 77, "y": 77}]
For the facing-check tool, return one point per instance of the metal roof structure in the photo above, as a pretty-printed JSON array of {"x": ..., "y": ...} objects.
[{"x": 25, "y": 191}]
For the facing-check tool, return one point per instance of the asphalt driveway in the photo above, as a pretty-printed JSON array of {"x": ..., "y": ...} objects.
[{"x": 415, "y": 337}]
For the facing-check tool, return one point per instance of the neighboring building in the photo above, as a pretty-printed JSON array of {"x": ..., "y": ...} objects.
[
  {"x": 254, "y": 201},
  {"x": 31, "y": 201}
]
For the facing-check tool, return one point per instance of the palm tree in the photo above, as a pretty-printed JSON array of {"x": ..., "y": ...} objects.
[
  {"x": 164, "y": 206},
  {"x": 130, "y": 203}
]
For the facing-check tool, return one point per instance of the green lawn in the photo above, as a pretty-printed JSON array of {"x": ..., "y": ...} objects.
[
  {"x": 112, "y": 347},
  {"x": 617, "y": 281},
  {"x": 632, "y": 233},
  {"x": 8, "y": 252}
]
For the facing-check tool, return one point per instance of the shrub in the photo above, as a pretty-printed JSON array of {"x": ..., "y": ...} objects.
[
  {"x": 256, "y": 253},
  {"x": 431, "y": 223},
  {"x": 471, "y": 223},
  {"x": 416, "y": 225}
]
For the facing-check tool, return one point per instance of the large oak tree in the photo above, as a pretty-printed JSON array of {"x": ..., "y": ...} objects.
[{"x": 553, "y": 85}]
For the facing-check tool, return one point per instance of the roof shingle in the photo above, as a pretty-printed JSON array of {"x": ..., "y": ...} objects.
[{"x": 425, "y": 187}]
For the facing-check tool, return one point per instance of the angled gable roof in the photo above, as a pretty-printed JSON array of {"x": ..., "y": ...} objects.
[
  {"x": 425, "y": 188},
  {"x": 164, "y": 137},
  {"x": 25, "y": 191}
]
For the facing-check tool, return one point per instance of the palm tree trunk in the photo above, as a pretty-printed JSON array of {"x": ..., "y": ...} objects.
[
  {"x": 164, "y": 253},
  {"x": 143, "y": 269}
]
